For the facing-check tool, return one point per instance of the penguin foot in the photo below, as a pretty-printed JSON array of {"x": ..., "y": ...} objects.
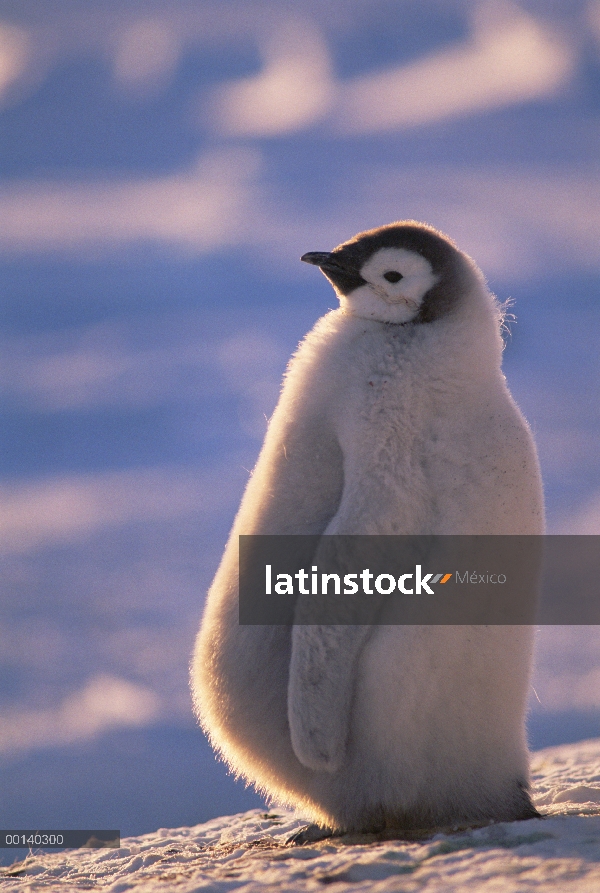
[
  {"x": 310, "y": 834},
  {"x": 528, "y": 810}
]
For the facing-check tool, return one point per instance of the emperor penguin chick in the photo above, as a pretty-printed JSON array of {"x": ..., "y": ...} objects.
[{"x": 394, "y": 418}]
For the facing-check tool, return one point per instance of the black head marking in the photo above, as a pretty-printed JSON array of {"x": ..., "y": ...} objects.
[{"x": 455, "y": 275}]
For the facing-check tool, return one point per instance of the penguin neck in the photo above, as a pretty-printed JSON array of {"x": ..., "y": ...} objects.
[{"x": 464, "y": 346}]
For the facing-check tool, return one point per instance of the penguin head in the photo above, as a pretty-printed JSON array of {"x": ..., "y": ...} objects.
[{"x": 405, "y": 272}]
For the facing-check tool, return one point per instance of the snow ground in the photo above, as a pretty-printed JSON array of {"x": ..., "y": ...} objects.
[{"x": 249, "y": 851}]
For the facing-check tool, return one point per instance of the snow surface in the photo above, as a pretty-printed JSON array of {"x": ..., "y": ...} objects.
[{"x": 250, "y": 852}]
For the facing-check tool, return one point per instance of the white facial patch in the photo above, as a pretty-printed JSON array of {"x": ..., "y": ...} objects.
[{"x": 386, "y": 300}]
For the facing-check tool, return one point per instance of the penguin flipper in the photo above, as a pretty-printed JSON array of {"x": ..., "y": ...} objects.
[{"x": 320, "y": 690}]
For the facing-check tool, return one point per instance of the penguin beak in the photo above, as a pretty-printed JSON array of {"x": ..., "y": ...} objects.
[
  {"x": 343, "y": 279},
  {"x": 320, "y": 259},
  {"x": 327, "y": 263}
]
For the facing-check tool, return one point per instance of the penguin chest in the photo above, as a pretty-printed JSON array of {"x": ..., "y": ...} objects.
[{"x": 393, "y": 435}]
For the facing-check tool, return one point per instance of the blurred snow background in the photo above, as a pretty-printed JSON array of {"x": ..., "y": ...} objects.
[{"x": 163, "y": 166}]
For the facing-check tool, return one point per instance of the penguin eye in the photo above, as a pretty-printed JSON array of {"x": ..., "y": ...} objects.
[{"x": 393, "y": 276}]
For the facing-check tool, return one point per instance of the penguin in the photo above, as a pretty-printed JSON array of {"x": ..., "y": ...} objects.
[{"x": 394, "y": 418}]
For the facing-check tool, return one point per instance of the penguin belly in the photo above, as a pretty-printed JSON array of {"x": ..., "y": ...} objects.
[{"x": 437, "y": 731}]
